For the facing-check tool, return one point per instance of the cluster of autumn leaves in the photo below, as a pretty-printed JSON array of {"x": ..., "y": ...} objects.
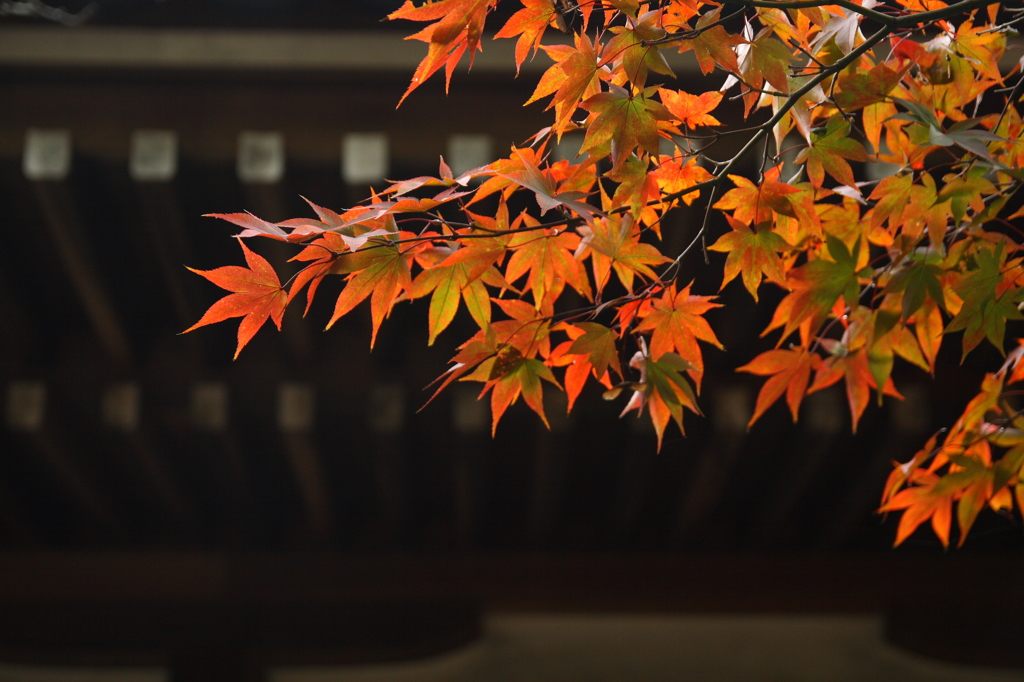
[{"x": 872, "y": 270}]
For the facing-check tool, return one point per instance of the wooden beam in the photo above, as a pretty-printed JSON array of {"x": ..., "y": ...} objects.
[
  {"x": 386, "y": 417},
  {"x": 513, "y": 582},
  {"x": 212, "y": 434},
  {"x": 121, "y": 412},
  {"x": 823, "y": 426},
  {"x": 729, "y": 411},
  {"x": 63, "y": 464},
  {"x": 296, "y": 408},
  {"x": 32, "y": 420},
  {"x": 47, "y": 163},
  {"x": 152, "y": 165},
  {"x": 909, "y": 424},
  {"x": 247, "y": 50}
]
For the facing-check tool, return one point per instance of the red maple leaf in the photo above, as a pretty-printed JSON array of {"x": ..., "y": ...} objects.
[{"x": 257, "y": 295}]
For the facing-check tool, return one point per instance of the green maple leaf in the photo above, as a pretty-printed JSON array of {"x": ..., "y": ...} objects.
[
  {"x": 449, "y": 284},
  {"x": 819, "y": 284},
  {"x": 967, "y": 191},
  {"x": 918, "y": 282},
  {"x": 597, "y": 342},
  {"x": 767, "y": 60},
  {"x": 828, "y": 153},
  {"x": 983, "y": 314}
]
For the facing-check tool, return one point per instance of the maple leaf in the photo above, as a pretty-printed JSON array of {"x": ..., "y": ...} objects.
[
  {"x": 713, "y": 45},
  {"x": 614, "y": 244},
  {"x": 855, "y": 367},
  {"x": 864, "y": 88},
  {"x": 458, "y": 29},
  {"x": 625, "y": 120},
  {"x": 790, "y": 372},
  {"x": 691, "y": 110},
  {"x": 966, "y": 191},
  {"x": 829, "y": 152},
  {"x": 841, "y": 29},
  {"x": 677, "y": 322},
  {"x": 546, "y": 257},
  {"x": 529, "y": 24},
  {"x": 574, "y": 76},
  {"x": 818, "y": 284},
  {"x": 512, "y": 375},
  {"x": 522, "y": 169},
  {"x": 985, "y": 309},
  {"x": 918, "y": 281},
  {"x": 758, "y": 203},
  {"x": 257, "y": 296},
  {"x": 663, "y": 390},
  {"x": 752, "y": 253},
  {"x": 325, "y": 252},
  {"x": 893, "y": 195},
  {"x": 591, "y": 356},
  {"x": 636, "y": 186},
  {"x": 251, "y": 225},
  {"x": 928, "y": 327},
  {"x": 449, "y": 283},
  {"x": 597, "y": 343},
  {"x": 383, "y": 275},
  {"x": 922, "y": 502},
  {"x": 767, "y": 59},
  {"x": 679, "y": 12},
  {"x": 675, "y": 175},
  {"x": 631, "y": 48},
  {"x": 485, "y": 247}
]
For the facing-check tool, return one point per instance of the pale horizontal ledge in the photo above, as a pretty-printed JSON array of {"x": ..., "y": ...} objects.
[
  {"x": 135, "y": 48},
  {"x": 249, "y": 50}
]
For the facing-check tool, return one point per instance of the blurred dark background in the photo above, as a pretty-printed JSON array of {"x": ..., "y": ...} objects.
[{"x": 161, "y": 504}]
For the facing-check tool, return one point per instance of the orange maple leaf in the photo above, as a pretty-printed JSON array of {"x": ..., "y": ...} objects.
[
  {"x": 691, "y": 110},
  {"x": 677, "y": 322},
  {"x": 675, "y": 175},
  {"x": 922, "y": 502},
  {"x": 384, "y": 273},
  {"x": 790, "y": 371},
  {"x": 752, "y": 253},
  {"x": 713, "y": 45},
  {"x": 257, "y": 296},
  {"x": 758, "y": 203},
  {"x": 461, "y": 22},
  {"x": 529, "y": 24},
  {"x": 623, "y": 120},
  {"x": 855, "y": 368},
  {"x": 614, "y": 244},
  {"x": 575, "y": 75},
  {"x": 548, "y": 258},
  {"x": 590, "y": 351}
]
